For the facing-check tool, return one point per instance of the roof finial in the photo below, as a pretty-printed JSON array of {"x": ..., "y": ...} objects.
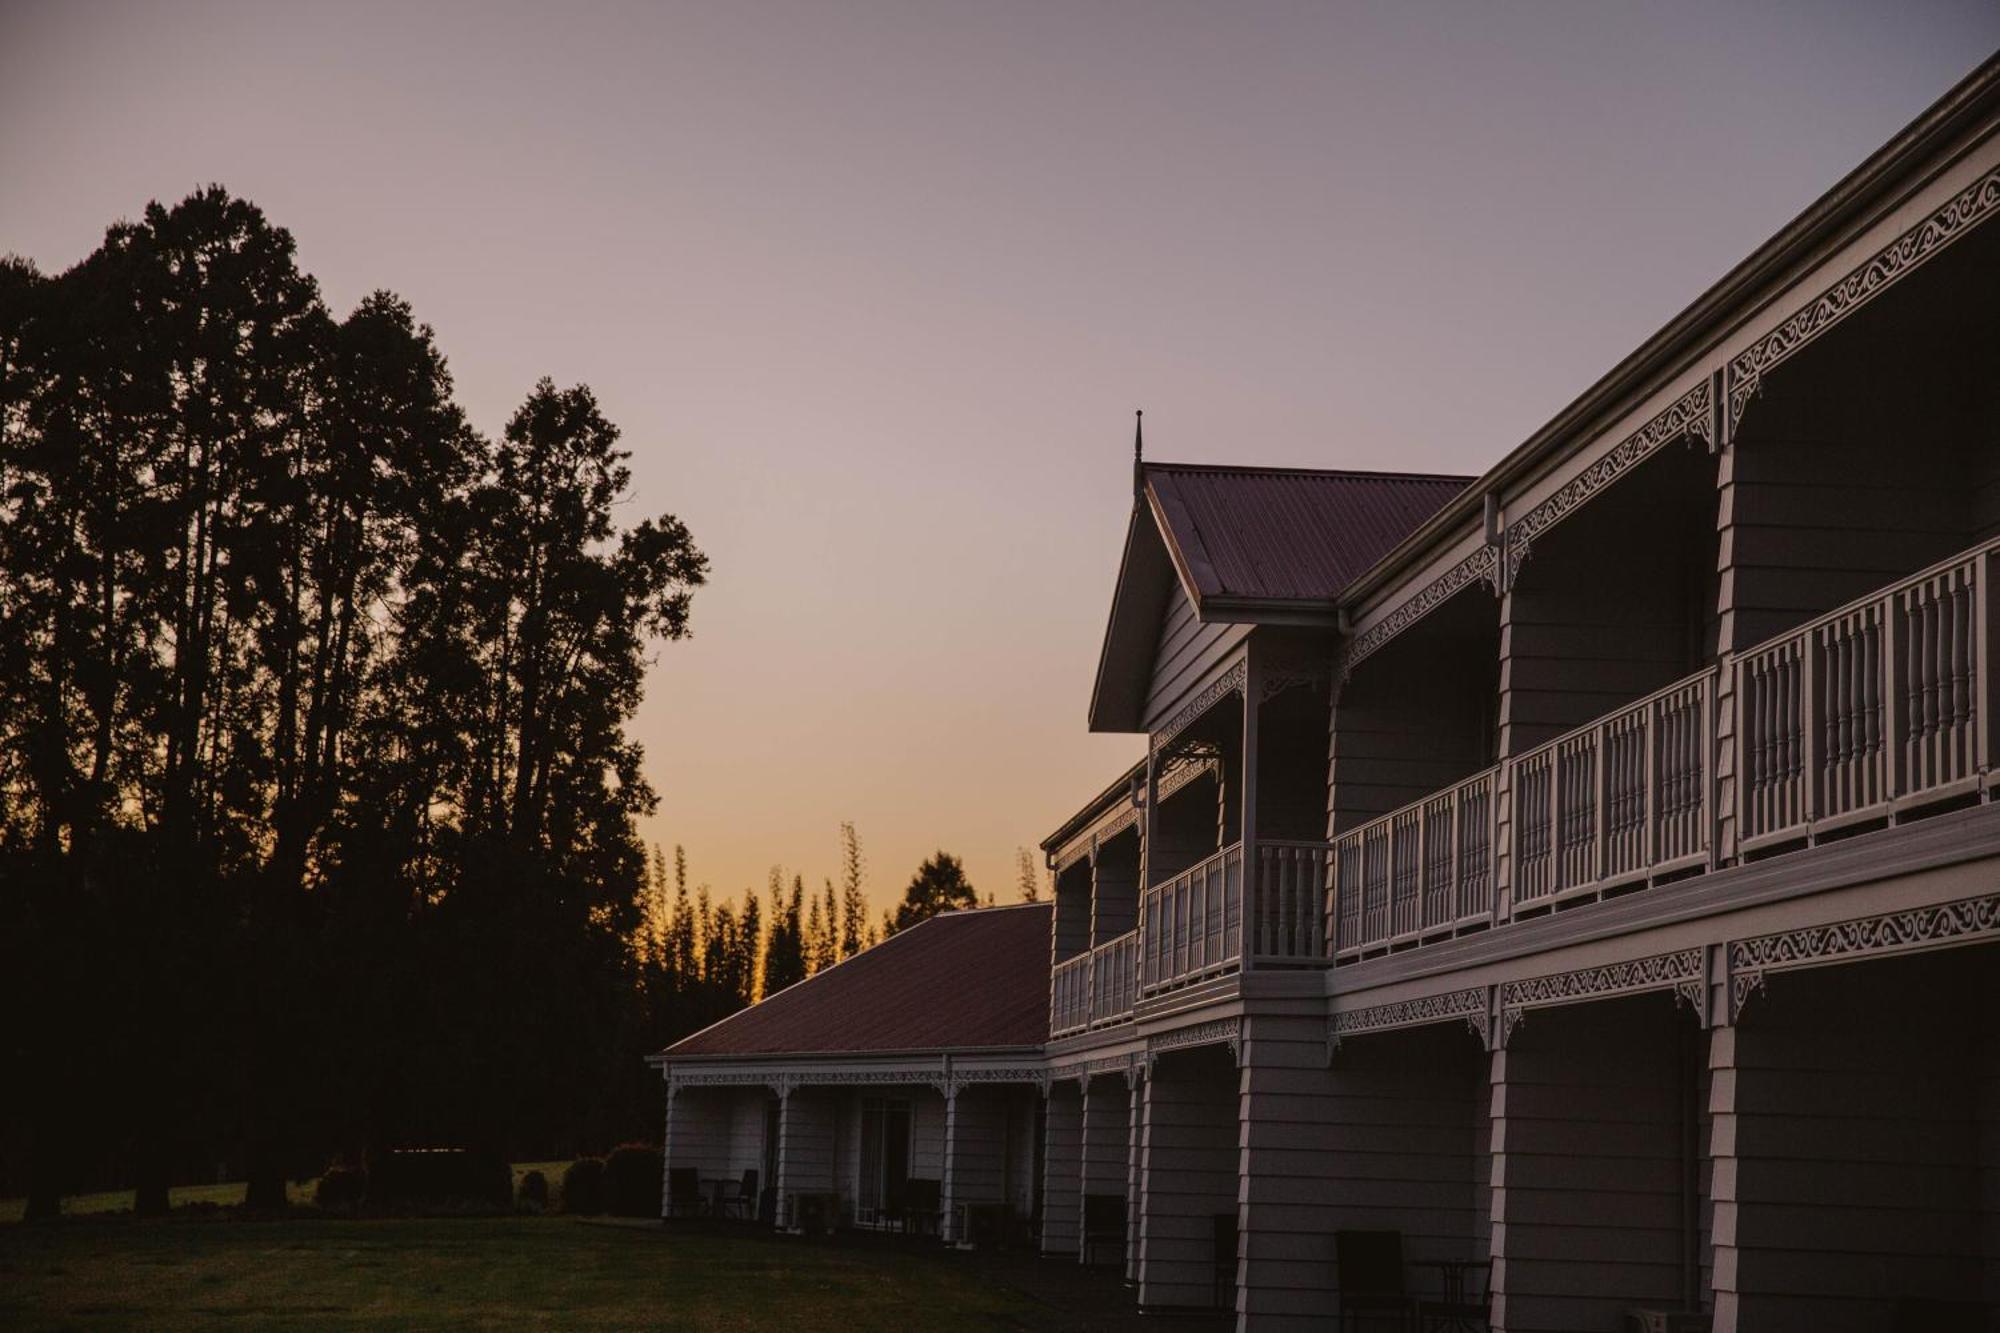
[{"x": 1138, "y": 451}]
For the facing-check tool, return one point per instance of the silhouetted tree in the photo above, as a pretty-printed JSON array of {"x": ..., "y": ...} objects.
[
  {"x": 1027, "y": 876},
  {"x": 938, "y": 886},
  {"x": 855, "y": 932}
]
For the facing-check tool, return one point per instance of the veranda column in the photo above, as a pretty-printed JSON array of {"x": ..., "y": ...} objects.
[
  {"x": 1062, "y": 1169},
  {"x": 783, "y": 1219},
  {"x": 1724, "y": 1175},
  {"x": 948, "y": 1186},
  {"x": 1135, "y": 1200},
  {"x": 667, "y": 1146}
]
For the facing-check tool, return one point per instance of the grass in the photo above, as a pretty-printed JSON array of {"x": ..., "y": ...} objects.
[{"x": 464, "y": 1273}]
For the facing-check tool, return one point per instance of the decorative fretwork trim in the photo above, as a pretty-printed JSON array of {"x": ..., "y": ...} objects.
[
  {"x": 1036, "y": 1075},
  {"x": 1276, "y": 681},
  {"x": 1220, "y": 1031},
  {"x": 1129, "y": 1067},
  {"x": 784, "y": 1084},
  {"x": 1470, "y": 1005},
  {"x": 1186, "y": 766},
  {"x": 1680, "y": 972},
  {"x": 1894, "y": 261},
  {"x": 1907, "y": 931},
  {"x": 1118, "y": 825},
  {"x": 1482, "y": 564},
  {"x": 1690, "y": 414},
  {"x": 1232, "y": 681}
]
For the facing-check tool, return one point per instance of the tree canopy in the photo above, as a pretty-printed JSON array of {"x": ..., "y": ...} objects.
[{"x": 938, "y": 886}]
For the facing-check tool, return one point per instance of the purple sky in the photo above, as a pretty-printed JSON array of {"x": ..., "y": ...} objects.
[{"x": 873, "y": 290}]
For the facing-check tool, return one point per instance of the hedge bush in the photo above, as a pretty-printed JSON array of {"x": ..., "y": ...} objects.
[
  {"x": 534, "y": 1192},
  {"x": 454, "y": 1178},
  {"x": 583, "y": 1186},
  {"x": 341, "y": 1188},
  {"x": 632, "y": 1181}
]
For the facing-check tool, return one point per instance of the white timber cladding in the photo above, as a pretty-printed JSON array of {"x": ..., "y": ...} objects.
[
  {"x": 1062, "y": 1169},
  {"x": 1188, "y": 1151},
  {"x": 1105, "y": 1142},
  {"x": 1856, "y": 1146},
  {"x": 1189, "y": 653},
  {"x": 1593, "y": 1148},
  {"x": 1391, "y": 1136}
]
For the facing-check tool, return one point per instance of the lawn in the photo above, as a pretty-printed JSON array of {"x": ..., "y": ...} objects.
[{"x": 194, "y": 1271}]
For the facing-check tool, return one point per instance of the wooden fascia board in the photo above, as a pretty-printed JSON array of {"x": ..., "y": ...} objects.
[
  {"x": 1113, "y": 624},
  {"x": 1186, "y": 563}
]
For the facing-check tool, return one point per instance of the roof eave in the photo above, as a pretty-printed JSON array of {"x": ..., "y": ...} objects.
[{"x": 1317, "y": 613}]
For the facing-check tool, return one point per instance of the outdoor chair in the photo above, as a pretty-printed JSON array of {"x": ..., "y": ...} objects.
[
  {"x": 741, "y": 1203},
  {"x": 1467, "y": 1303},
  {"x": 923, "y": 1200},
  {"x": 1371, "y": 1278},
  {"x": 1103, "y": 1225},
  {"x": 1225, "y": 1260},
  {"x": 684, "y": 1193}
]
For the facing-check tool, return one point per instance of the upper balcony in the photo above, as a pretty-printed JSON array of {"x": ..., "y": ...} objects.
[{"x": 1879, "y": 710}]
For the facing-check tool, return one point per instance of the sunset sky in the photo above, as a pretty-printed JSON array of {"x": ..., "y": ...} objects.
[{"x": 873, "y": 290}]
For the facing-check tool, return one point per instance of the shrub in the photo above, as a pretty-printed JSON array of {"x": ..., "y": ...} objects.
[
  {"x": 534, "y": 1192},
  {"x": 632, "y": 1181},
  {"x": 341, "y": 1188},
  {"x": 583, "y": 1186},
  {"x": 427, "y": 1178}
]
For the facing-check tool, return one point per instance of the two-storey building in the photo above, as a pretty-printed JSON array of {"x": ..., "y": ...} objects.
[{"x": 1589, "y": 870}]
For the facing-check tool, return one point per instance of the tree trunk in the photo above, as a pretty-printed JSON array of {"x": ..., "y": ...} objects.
[
  {"x": 150, "y": 1172},
  {"x": 46, "y": 1168}
]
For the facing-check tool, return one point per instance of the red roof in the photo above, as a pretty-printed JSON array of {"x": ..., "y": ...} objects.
[
  {"x": 959, "y": 981},
  {"x": 1284, "y": 533}
]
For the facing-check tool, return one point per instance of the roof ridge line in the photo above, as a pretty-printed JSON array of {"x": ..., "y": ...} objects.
[{"x": 1369, "y": 474}]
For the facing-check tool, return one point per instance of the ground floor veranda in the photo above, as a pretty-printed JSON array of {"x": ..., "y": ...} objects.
[{"x": 1809, "y": 1143}]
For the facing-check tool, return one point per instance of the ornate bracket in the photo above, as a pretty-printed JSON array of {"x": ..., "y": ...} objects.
[{"x": 1278, "y": 679}]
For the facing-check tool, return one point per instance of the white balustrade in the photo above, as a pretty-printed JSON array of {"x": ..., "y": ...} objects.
[
  {"x": 1426, "y": 866},
  {"x": 1869, "y": 707}
]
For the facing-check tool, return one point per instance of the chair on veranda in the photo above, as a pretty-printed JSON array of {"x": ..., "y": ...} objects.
[
  {"x": 1103, "y": 1225},
  {"x": 923, "y": 1203},
  {"x": 1467, "y": 1303},
  {"x": 684, "y": 1193},
  {"x": 1371, "y": 1278},
  {"x": 741, "y": 1203},
  {"x": 1224, "y": 1295}
]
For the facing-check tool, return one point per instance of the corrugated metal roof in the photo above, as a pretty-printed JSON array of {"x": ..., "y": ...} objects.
[
  {"x": 959, "y": 981},
  {"x": 1288, "y": 534}
]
